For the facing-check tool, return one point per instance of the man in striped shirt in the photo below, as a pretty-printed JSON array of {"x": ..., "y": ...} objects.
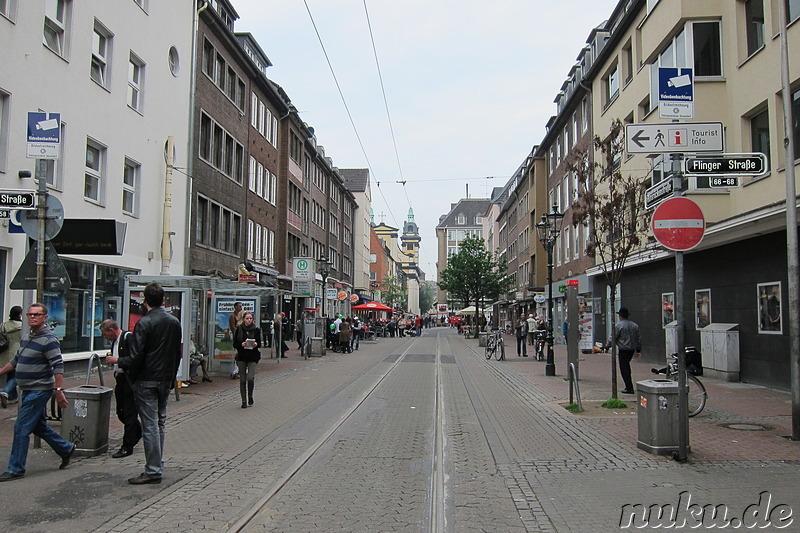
[{"x": 40, "y": 370}]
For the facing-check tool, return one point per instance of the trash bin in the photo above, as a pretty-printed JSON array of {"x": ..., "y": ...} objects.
[
  {"x": 657, "y": 416},
  {"x": 316, "y": 347},
  {"x": 85, "y": 420},
  {"x": 482, "y": 339}
]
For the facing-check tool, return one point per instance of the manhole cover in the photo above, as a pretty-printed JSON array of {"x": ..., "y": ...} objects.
[{"x": 746, "y": 427}]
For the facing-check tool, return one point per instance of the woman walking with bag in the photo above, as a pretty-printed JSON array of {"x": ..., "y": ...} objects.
[{"x": 247, "y": 339}]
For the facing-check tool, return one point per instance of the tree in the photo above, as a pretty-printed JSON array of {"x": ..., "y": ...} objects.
[
  {"x": 611, "y": 205},
  {"x": 473, "y": 275},
  {"x": 392, "y": 291},
  {"x": 426, "y": 297}
]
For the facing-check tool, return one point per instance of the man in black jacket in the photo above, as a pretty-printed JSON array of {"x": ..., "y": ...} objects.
[
  {"x": 127, "y": 412},
  {"x": 151, "y": 365}
]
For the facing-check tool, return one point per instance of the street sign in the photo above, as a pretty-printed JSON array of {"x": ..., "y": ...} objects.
[
  {"x": 673, "y": 138},
  {"x": 678, "y": 224},
  {"x": 5, "y": 214},
  {"x": 44, "y": 135},
  {"x": 659, "y": 192},
  {"x": 29, "y": 220},
  {"x": 304, "y": 269},
  {"x": 751, "y": 164},
  {"x": 56, "y": 277},
  {"x": 675, "y": 92},
  {"x": 18, "y": 199}
]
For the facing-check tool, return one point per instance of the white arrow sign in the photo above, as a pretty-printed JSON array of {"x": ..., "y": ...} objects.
[{"x": 673, "y": 138}]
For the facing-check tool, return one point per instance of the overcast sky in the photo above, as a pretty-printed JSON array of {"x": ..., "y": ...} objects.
[{"x": 469, "y": 87}]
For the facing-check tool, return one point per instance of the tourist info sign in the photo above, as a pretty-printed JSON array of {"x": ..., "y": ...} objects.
[{"x": 673, "y": 138}]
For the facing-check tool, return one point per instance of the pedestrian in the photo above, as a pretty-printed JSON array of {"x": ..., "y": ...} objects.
[
  {"x": 531, "y": 328},
  {"x": 152, "y": 364},
  {"x": 521, "y": 331},
  {"x": 127, "y": 412},
  {"x": 234, "y": 321},
  {"x": 40, "y": 375},
  {"x": 358, "y": 329},
  {"x": 298, "y": 332},
  {"x": 418, "y": 325},
  {"x": 246, "y": 339},
  {"x": 626, "y": 335},
  {"x": 345, "y": 330},
  {"x": 286, "y": 334},
  {"x": 13, "y": 330}
]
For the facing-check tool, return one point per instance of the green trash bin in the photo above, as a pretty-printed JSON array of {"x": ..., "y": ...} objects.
[{"x": 86, "y": 418}]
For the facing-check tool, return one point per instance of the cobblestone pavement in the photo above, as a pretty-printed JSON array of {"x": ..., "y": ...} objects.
[{"x": 346, "y": 443}]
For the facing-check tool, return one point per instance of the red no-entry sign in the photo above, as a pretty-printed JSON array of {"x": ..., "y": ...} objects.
[{"x": 678, "y": 224}]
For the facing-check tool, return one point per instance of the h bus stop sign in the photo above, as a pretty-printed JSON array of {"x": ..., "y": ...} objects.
[{"x": 678, "y": 224}]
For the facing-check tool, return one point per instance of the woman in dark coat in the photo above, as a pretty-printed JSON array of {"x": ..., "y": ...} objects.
[{"x": 247, "y": 340}]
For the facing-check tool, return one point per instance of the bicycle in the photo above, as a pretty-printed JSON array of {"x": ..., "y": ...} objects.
[
  {"x": 697, "y": 395},
  {"x": 539, "y": 336},
  {"x": 495, "y": 346}
]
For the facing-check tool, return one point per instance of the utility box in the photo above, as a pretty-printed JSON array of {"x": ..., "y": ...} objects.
[
  {"x": 86, "y": 418},
  {"x": 720, "y": 346},
  {"x": 316, "y": 346},
  {"x": 671, "y": 340},
  {"x": 657, "y": 416}
]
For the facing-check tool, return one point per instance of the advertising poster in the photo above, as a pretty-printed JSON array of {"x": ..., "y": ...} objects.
[
  {"x": 585, "y": 324},
  {"x": 56, "y": 313},
  {"x": 223, "y": 336}
]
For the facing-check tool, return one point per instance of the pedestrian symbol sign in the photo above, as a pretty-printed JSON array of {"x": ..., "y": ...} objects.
[{"x": 673, "y": 138}]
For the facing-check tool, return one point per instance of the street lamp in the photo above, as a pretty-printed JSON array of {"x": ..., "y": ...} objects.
[
  {"x": 324, "y": 267},
  {"x": 548, "y": 230}
]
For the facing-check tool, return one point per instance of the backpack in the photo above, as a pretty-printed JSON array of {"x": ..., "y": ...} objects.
[{"x": 4, "y": 340}]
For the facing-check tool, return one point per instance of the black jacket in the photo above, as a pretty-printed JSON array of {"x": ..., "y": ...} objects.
[
  {"x": 252, "y": 355},
  {"x": 155, "y": 349}
]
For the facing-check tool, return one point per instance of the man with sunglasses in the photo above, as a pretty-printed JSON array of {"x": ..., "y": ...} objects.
[{"x": 40, "y": 371}]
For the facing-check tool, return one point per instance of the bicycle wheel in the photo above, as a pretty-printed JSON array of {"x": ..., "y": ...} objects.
[
  {"x": 696, "y": 395},
  {"x": 500, "y": 354},
  {"x": 490, "y": 348}
]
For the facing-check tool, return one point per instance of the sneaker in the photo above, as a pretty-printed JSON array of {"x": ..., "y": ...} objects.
[
  {"x": 4, "y": 400},
  {"x": 123, "y": 452},
  {"x": 66, "y": 458},
  {"x": 8, "y": 476},
  {"x": 143, "y": 479}
]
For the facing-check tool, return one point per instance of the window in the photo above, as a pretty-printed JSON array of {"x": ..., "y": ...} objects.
[
  {"x": 208, "y": 59},
  {"x": 759, "y": 133},
  {"x": 611, "y": 84},
  {"x": 796, "y": 122},
  {"x": 101, "y": 55},
  {"x": 295, "y": 147},
  {"x": 56, "y": 25},
  {"x": 5, "y": 116},
  {"x": 135, "y": 82},
  {"x": 754, "y": 20},
  {"x": 8, "y": 8},
  {"x": 174, "y": 60},
  {"x": 627, "y": 59},
  {"x": 792, "y": 9},
  {"x": 93, "y": 173},
  {"x": 217, "y": 226},
  {"x": 130, "y": 187},
  {"x": 707, "y": 51},
  {"x": 461, "y": 219},
  {"x": 220, "y": 150}
]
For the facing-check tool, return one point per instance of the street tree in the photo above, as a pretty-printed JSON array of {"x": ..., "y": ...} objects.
[
  {"x": 426, "y": 297},
  {"x": 610, "y": 204},
  {"x": 392, "y": 292},
  {"x": 474, "y": 276}
]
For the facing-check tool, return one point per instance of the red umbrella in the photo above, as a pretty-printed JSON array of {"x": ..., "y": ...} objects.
[{"x": 372, "y": 306}]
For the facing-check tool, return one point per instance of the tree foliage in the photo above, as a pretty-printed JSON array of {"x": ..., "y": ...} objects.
[
  {"x": 611, "y": 205},
  {"x": 426, "y": 297},
  {"x": 392, "y": 292},
  {"x": 473, "y": 275}
]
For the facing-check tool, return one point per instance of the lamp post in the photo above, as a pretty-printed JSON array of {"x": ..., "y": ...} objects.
[
  {"x": 324, "y": 267},
  {"x": 548, "y": 230}
]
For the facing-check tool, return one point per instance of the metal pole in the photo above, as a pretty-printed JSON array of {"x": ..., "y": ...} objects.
[
  {"x": 792, "y": 269},
  {"x": 550, "y": 365},
  {"x": 41, "y": 215},
  {"x": 683, "y": 410}
]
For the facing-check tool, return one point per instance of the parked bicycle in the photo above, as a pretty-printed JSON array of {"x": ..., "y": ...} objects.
[
  {"x": 495, "y": 346},
  {"x": 539, "y": 337},
  {"x": 697, "y": 391}
]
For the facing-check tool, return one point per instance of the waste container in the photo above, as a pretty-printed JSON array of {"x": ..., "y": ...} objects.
[
  {"x": 85, "y": 420},
  {"x": 482, "y": 339},
  {"x": 316, "y": 346},
  {"x": 657, "y": 416}
]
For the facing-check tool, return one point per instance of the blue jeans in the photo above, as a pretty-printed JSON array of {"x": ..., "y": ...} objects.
[
  {"x": 151, "y": 399},
  {"x": 31, "y": 419},
  {"x": 11, "y": 385}
]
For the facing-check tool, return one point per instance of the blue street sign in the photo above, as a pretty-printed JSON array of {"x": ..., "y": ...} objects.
[
  {"x": 44, "y": 127},
  {"x": 675, "y": 92}
]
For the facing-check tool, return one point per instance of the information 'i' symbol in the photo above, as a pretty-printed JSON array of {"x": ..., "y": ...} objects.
[{"x": 678, "y": 140}]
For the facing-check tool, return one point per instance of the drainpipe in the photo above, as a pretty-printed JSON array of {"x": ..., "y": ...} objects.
[{"x": 166, "y": 235}]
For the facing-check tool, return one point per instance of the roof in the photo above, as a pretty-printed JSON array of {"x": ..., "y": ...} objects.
[
  {"x": 469, "y": 208},
  {"x": 355, "y": 179}
]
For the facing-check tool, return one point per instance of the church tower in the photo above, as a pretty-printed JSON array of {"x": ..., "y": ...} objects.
[{"x": 409, "y": 261}]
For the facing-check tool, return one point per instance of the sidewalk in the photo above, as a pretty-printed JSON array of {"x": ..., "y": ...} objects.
[{"x": 741, "y": 422}]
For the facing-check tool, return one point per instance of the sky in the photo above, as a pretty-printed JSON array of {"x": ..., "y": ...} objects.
[{"x": 469, "y": 87}]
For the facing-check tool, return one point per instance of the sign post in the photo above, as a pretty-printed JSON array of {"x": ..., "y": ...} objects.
[{"x": 679, "y": 225}]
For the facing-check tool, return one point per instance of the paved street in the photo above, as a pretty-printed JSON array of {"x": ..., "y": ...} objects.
[{"x": 416, "y": 434}]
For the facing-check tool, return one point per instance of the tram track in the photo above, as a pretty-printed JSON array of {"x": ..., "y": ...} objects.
[{"x": 436, "y": 519}]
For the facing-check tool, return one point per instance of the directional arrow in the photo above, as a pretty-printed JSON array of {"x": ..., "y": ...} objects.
[{"x": 638, "y": 138}]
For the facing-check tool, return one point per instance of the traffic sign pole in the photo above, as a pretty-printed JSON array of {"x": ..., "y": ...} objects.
[{"x": 41, "y": 265}]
